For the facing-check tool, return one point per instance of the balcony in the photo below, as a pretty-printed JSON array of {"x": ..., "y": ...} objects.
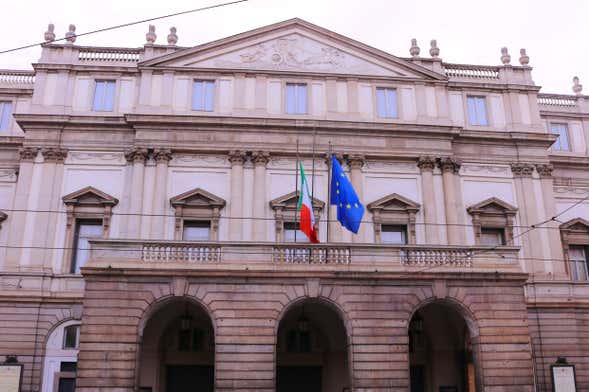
[{"x": 281, "y": 256}]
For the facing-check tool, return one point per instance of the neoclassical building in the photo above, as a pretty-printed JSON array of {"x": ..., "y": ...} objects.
[{"x": 148, "y": 208}]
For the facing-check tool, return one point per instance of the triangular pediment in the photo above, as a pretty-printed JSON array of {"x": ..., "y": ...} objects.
[
  {"x": 291, "y": 200},
  {"x": 90, "y": 196},
  {"x": 577, "y": 225},
  {"x": 197, "y": 198},
  {"x": 492, "y": 205},
  {"x": 393, "y": 202},
  {"x": 294, "y": 46}
]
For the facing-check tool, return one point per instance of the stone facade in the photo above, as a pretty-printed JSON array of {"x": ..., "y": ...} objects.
[{"x": 148, "y": 200}]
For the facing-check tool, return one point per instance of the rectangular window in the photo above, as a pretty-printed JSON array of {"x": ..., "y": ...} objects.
[
  {"x": 85, "y": 229},
  {"x": 477, "y": 110},
  {"x": 5, "y": 115},
  {"x": 289, "y": 233},
  {"x": 386, "y": 100},
  {"x": 492, "y": 237},
  {"x": 71, "y": 337},
  {"x": 196, "y": 231},
  {"x": 562, "y": 142},
  {"x": 391, "y": 234},
  {"x": 104, "y": 96},
  {"x": 296, "y": 98},
  {"x": 578, "y": 260},
  {"x": 203, "y": 95}
]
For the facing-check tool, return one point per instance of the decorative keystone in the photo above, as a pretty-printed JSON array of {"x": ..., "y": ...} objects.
[
  {"x": 150, "y": 37},
  {"x": 172, "y": 37},
  {"x": 50, "y": 33},
  {"x": 505, "y": 57},
  {"x": 524, "y": 59},
  {"x": 434, "y": 51},
  {"x": 70, "y": 36},
  {"x": 577, "y": 87},
  {"x": 414, "y": 49}
]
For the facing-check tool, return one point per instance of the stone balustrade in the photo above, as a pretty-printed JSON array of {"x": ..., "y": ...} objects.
[
  {"x": 365, "y": 257},
  {"x": 17, "y": 79},
  {"x": 557, "y": 100},
  {"x": 102, "y": 55},
  {"x": 471, "y": 71}
]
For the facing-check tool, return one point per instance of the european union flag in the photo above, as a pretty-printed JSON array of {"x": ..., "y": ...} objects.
[{"x": 343, "y": 195}]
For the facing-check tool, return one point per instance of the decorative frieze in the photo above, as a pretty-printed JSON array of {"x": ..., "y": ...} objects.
[
  {"x": 54, "y": 155},
  {"x": 545, "y": 170},
  {"x": 138, "y": 155},
  {"x": 28, "y": 153},
  {"x": 522, "y": 169},
  {"x": 449, "y": 164},
  {"x": 426, "y": 163}
]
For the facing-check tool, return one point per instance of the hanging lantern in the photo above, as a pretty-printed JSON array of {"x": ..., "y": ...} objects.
[
  {"x": 185, "y": 322},
  {"x": 303, "y": 322}
]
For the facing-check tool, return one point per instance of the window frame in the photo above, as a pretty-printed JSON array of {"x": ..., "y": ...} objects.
[
  {"x": 487, "y": 111},
  {"x": 402, "y": 230},
  {"x": 203, "y": 99},
  {"x": 573, "y": 263},
  {"x": 558, "y": 139},
  {"x": 197, "y": 205},
  {"x": 496, "y": 230},
  {"x": 189, "y": 222},
  {"x": 74, "y": 251},
  {"x": 114, "y": 96},
  {"x": 493, "y": 213},
  {"x": 77, "y": 338},
  {"x": 394, "y": 210},
  {"x": 397, "y": 102},
  {"x": 574, "y": 233},
  {"x": 285, "y": 209},
  {"x": 6, "y": 119},
  {"x": 307, "y": 97},
  {"x": 300, "y": 235}
]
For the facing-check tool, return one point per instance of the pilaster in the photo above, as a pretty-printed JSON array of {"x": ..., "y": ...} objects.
[
  {"x": 426, "y": 165},
  {"x": 450, "y": 168},
  {"x": 236, "y": 159},
  {"x": 260, "y": 160},
  {"x": 356, "y": 162},
  {"x": 162, "y": 157},
  {"x": 136, "y": 157}
]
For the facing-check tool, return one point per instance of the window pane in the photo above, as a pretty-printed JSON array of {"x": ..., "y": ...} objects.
[
  {"x": 109, "y": 96},
  {"x": 578, "y": 264},
  {"x": 391, "y": 103},
  {"x": 472, "y": 113},
  {"x": 393, "y": 235},
  {"x": 84, "y": 231},
  {"x": 68, "y": 367},
  {"x": 5, "y": 113},
  {"x": 70, "y": 336},
  {"x": 290, "y": 99},
  {"x": 481, "y": 110},
  {"x": 562, "y": 142},
  {"x": 381, "y": 103},
  {"x": 289, "y": 233},
  {"x": 301, "y": 93},
  {"x": 99, "y": 96},
  {"x": 492, "y": 237},
  {"x": 67, "y": 385},
  {"x": 209, "y": 96},
  {"x": 196, "y": 231},
  {"x": 198, "y": 96}
]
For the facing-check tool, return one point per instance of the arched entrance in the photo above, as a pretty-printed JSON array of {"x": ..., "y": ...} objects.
[
  {"x": 312, "y": 350},
  {"x": 177, "y": 350},
  {"x": 442, "y": 350}
]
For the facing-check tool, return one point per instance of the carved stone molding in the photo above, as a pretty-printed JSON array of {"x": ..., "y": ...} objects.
[
  {"x": 426, "y": 163},
  {"x": 260, "y": 158},
  {"x": 394, "y": 209},
  {"x": 8, "y": 175},
  {"x": 493, "y": 213},
  {"x": 545, "y": 170},
  {"x": 197, "y": 204},
  {"x": 449, "y": 164},
  {"x": 522, "y": 169},
  {"x": 162, "y": 155},
  {"x": 138, "y": 155},
  {"x": 54, "y": 155},
  {"x": 356, "y": 161},
  {"x": 28, "y": 153},
  {"x": 237, "y": 157}
]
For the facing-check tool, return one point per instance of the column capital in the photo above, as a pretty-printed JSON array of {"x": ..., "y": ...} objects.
[
  {"x": 356, "y": 161},
  {"x": 426, "y": 163},
  {"x": 522, "y": 169},
  {"x": 449, "y": 164},
  {"x": 136, "y": 154},
  {"x": 545, "y": 170},
  {"x": 236, "y": 157},
  {"x": 54, "y": 154},
  {"x": 162, "y": 155},
  {"x": 260, "y": 158},
  {"x": 28, "y": 153}
]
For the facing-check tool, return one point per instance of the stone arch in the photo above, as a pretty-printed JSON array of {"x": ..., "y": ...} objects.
[
  {"x": 454, "y": 303},
  {"x": 53, "y": 352}
]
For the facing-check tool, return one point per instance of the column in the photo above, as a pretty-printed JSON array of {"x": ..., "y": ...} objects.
[
  {"x": 426, "y": 165},
  {"x": 552, "y": 228},
  {"x": 236, "y": 158},
  {"x": 450, "y": 168},
  {"x": 356, "y": 162},
  {"x": 162, "y": 158},
  {"x": 260, "y": 159},
  {"x": 526, "y": 202},
  {"x": 21, "y": 198},
  {"x": 137, "y": 157}
]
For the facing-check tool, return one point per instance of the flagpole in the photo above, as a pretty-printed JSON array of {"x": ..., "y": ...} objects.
[
  {"x": 328, "y": 190},
  {"x": 313, "y": 167},
  {"x": 296, "y": 222}
]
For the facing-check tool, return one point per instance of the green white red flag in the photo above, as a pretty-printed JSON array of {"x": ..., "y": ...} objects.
[{"x": 307, "y": 218}]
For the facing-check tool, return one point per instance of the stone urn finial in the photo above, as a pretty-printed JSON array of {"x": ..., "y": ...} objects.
[
  {"x": 414, "y": 49},
  {"x": 50, "y": 33},
  {"x": 150, "y": 37},
  {"x": 172, "y": 37},
  {"x": 434, "y": 50},
  {"x": 524, "y": 59},
  {"x": 70, "y": 36},
  {"x": 505, "y": 57},
  {"x": 577, "y": 87}
]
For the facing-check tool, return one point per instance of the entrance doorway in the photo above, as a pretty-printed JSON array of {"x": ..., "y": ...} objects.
[
  {"x": 312, "y": 350},
  {"x": 441, "y": 351},
  {"x": 177, "y": 352}
]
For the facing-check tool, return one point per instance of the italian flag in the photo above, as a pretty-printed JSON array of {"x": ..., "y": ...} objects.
[{"x": 307, "y": 219}]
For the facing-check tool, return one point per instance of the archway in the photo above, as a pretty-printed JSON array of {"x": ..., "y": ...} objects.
[
  {"x": 442, "y": 350},
  {"x": 312, "y": 350},
  {"x": 177, "y": 349}
]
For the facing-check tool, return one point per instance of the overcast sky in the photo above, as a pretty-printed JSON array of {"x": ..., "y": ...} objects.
[{"x": 468, "y": 31}]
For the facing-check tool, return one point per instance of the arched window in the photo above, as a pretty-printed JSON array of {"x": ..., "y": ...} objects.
[{"x": 61, "y": 358}]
